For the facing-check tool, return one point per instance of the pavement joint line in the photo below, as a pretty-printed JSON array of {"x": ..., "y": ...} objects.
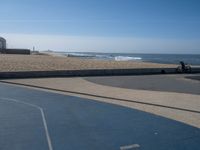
[
  {"x": 105, "y": 97},
  {"x": 42, "y": 114}
]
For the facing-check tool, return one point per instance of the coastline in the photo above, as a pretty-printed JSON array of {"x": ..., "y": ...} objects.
[
  {"x": 53, "y": 62},
  {"x": 137, "y": 99}
]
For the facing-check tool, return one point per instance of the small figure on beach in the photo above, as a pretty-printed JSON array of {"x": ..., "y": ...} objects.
[{"x": 184, "y": 68}]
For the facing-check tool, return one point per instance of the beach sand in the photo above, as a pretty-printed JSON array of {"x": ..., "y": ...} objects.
[{"x": 9, "y": 63}]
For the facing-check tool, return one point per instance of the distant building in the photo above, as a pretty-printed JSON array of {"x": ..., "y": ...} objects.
[
  {"x": 5, "y": 50},
  {"x": 2, "y": 43}
]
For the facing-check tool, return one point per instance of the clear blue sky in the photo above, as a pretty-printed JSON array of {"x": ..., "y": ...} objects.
[{"x": 165, "y": 21}]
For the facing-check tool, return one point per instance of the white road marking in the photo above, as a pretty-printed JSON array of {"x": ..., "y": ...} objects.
[
  {"x": 43, "y": 118},
  {"x": 130, "y": 147}
]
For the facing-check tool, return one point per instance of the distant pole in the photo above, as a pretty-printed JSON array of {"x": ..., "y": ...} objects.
[{"x": 33, "y": 48}]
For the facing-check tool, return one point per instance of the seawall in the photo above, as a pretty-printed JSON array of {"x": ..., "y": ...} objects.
[{"x": 97, "y": 72}]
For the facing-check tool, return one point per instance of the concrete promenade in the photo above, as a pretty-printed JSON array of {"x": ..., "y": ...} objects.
[
  {"x": 181, "y": 83},
  {"x": 38, "y": 120},
  {"x": 177, "y": 105}
]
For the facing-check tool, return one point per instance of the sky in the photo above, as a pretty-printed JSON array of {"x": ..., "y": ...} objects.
[{"x": 129, "y": 26}]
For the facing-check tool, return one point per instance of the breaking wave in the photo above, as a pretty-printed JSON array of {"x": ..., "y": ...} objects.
[
  {"x": 104, "y": 56},
  {"x": 126, "y": 58}
]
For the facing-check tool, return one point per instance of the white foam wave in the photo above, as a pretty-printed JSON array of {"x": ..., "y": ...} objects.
[
  {"x": 79, "y": 55},
  {"x": 126, "y": 58}
]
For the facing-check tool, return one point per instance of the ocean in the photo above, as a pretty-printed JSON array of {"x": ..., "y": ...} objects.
[{"x": 192, "y": 59}]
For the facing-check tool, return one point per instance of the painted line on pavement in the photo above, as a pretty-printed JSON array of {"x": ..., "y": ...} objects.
[{"x": 42, "y": 114}]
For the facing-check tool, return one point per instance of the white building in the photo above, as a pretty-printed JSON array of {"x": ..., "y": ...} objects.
[{"x": 2, "y": 43}]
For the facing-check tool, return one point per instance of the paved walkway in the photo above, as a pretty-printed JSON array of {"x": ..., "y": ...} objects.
[
  {"x": 178, "y": 106},
  {"x": 37, "y": 120},
  {"x": 171, "y": 83}
]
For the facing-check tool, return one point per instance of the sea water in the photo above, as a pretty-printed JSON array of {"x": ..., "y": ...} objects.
[{"x": 192, "y": 59}]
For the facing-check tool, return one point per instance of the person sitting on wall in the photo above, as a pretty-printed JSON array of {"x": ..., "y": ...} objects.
[{"x": 182, "y": 66}]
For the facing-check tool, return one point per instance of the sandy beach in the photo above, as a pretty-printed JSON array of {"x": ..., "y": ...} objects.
[{"x": 9, "y": 63}]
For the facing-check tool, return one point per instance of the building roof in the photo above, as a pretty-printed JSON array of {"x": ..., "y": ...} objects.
[{"x": 2, "y": 39}]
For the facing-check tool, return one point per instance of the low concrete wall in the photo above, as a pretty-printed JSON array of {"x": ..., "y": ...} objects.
[
  {"x": 81, "y": 73},
  {"x": 196, "y": 70},
  {"x": 16, "y": 51}
]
